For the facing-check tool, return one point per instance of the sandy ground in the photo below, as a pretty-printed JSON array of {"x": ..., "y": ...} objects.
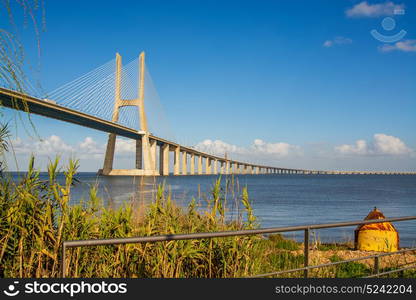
[{"x": 322, "y": 257}]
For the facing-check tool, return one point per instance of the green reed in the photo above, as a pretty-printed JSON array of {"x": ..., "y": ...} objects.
[{"x": 35, "y": 218}]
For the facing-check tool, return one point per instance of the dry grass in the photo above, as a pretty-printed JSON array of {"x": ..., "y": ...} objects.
[{"x": 35, "y": 219}]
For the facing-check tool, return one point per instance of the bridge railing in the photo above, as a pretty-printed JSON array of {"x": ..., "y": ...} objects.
[{"x": 207, "y": 235}]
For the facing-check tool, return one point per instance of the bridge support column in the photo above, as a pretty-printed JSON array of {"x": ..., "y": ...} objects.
[
  {"x": 215, "y": 167},
  {"x": 176, "y": 160},
  {"x": 245, "y": 169},
  {"x": 227, "y": 167},
  {"x": 199, "y": 165},
  {"x": 184, "y": 163},
  {"x": 109, "y": 154},
  {"x": 139, "y": 154},
  {"x": 222, "y": 167},
  {"x": 208, "y": 166},
  {"x": 164, "y": 160},
  {"x": 144, "y": 164},
  {"x": 192, "y": 164},
  {"x": 153, "y": 146}
]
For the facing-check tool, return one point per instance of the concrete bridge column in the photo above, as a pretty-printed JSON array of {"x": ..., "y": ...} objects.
[
  {"x": 199, "y": 165},
  {"x": 192, "y": 164},
  {"x": 222, "y": 167},
  {"x": 227, "y": 167},
  {"x": 184, "y": 163},
  {"x": 153, "y": 149},
  {"x": 139, "y": 154},
  {"x": 215, "y": 166},
  {"x": 109, "y": 153},
  {"x": 208, "y": 166},
  {"x": 176, "y": 160},
  {"x": 164, "y": 160}
]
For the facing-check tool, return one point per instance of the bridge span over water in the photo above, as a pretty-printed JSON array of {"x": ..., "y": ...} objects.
[{"x": 152, "y": 157}]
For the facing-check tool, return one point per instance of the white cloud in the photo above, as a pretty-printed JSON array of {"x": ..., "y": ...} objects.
[
  {"x": 339, "y": 40},
  {"x": 363, "y": 9},
  {"x": 387, "y": 144},
  {"x": 279, "y": 149},
  {"x": 258, "y": 147},
  {"x": 360, "y": 147},
  {"x": 50, "y": 145},
  {"x": 90, "y": 148},
  {"x": 87, "y": 149},
  {"x": 405, "y": 46},
  {"x": 218, "y": 147},
  {"x": 124, "y": 146},
  {"x": 382, "y": 144}
]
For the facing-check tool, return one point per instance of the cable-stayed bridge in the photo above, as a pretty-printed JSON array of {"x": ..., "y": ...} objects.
[{"x": 115, "y": 99}]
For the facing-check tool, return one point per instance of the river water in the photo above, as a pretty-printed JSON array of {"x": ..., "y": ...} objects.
[{"x": 279, "y": 199}]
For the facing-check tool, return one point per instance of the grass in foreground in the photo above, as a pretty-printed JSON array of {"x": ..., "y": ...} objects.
[{"x": 35, "y": 218}]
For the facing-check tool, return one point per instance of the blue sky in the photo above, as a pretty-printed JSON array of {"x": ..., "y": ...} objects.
[{"x": 289, "y": 83}]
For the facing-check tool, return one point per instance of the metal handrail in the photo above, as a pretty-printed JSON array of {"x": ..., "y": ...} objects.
[
  {"x": 206, "y": 235},
  {"x": 376, "y": 256}
]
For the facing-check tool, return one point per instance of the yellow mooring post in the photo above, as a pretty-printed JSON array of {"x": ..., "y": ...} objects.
[{"x": 381, "y": 237}]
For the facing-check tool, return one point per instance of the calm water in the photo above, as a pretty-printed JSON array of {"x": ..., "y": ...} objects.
[{"x": 282, "y": 200}]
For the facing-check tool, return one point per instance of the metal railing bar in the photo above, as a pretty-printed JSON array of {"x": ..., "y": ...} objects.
[
  {"x": 206, "y": 235},
  {"x": 334, "y": 263},
  {"x": 390, "y": 272},
  {"x": 173, "y": 237}
]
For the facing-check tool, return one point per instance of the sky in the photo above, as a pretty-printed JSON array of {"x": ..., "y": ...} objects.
[{"x": 302, "y": 84}]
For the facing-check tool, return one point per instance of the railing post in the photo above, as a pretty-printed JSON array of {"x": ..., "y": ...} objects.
[
  {"x": 63, "y": 260},
  {"x": 376, "y": 265},
  {"x": 306, "y": 252}
]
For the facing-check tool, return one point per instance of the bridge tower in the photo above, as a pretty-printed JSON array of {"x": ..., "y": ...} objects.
[{"x": 145, "y": 164}]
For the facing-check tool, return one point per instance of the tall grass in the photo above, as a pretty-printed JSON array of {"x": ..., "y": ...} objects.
[{"x": 35, "y": 218}]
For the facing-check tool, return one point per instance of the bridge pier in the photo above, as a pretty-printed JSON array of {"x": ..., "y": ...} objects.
[
  {"x": 199, "y": 165},
  {"x": 176, "y": 160},
  {"x": 164, "y": 160},
  {"x": 208, "y": 166},
  {"x": 184, "y": 163},
  {"x": 192, "y": 164},
  {"x": 153, "y": 157}
]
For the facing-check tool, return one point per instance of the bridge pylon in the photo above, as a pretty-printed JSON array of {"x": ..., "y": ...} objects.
[{"x": 145, "y": 161}]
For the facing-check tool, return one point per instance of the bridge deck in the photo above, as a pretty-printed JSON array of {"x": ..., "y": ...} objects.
[{"x": 19, "y": 101}]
